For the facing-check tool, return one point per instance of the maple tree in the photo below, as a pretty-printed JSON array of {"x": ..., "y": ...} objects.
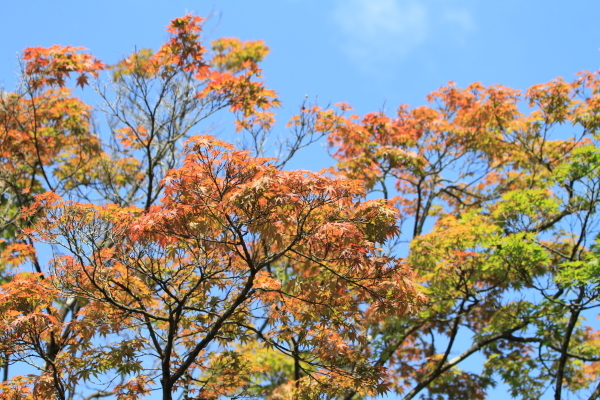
[
  {"x": 179, "y": 256},
  {"x": 461, "y": 230},
  {"x": 500, "y": 215}
]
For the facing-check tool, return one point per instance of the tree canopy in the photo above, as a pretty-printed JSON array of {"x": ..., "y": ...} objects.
[{"x": 459, "y": 233}]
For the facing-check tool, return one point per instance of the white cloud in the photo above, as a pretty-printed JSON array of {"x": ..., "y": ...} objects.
[
  {"x": 376, "y": 31},
  {"x": 461, "y": 19}
]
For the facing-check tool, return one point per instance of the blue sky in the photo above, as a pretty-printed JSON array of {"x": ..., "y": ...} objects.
[
  {"x": 365, "y": 52},
  {"x": 369, "y": 53}
]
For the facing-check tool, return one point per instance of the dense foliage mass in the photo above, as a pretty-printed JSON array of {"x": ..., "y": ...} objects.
[{"x": 452, "y": 234}]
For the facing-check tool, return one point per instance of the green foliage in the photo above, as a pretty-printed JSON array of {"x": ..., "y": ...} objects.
[{"x": 186, "y": 265}]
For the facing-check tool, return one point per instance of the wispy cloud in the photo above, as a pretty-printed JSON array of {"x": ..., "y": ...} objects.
[
  {"x": 375, "y": 31},
  {"x": 459, "y": 18}
]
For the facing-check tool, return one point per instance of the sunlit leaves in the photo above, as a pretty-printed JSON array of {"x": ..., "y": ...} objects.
[
  {"x": 204, "y": 269},
  {"x": 51, "y": 66},
  {"x": 233, "y": 55},
  {"x": 199, "y": 268},
  {"x": 500, "y": 213}
]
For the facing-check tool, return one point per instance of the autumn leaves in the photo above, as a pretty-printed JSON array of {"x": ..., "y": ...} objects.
[
  {"x": 221, "y": 249},
  {"x": 186, "y": 266}
]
